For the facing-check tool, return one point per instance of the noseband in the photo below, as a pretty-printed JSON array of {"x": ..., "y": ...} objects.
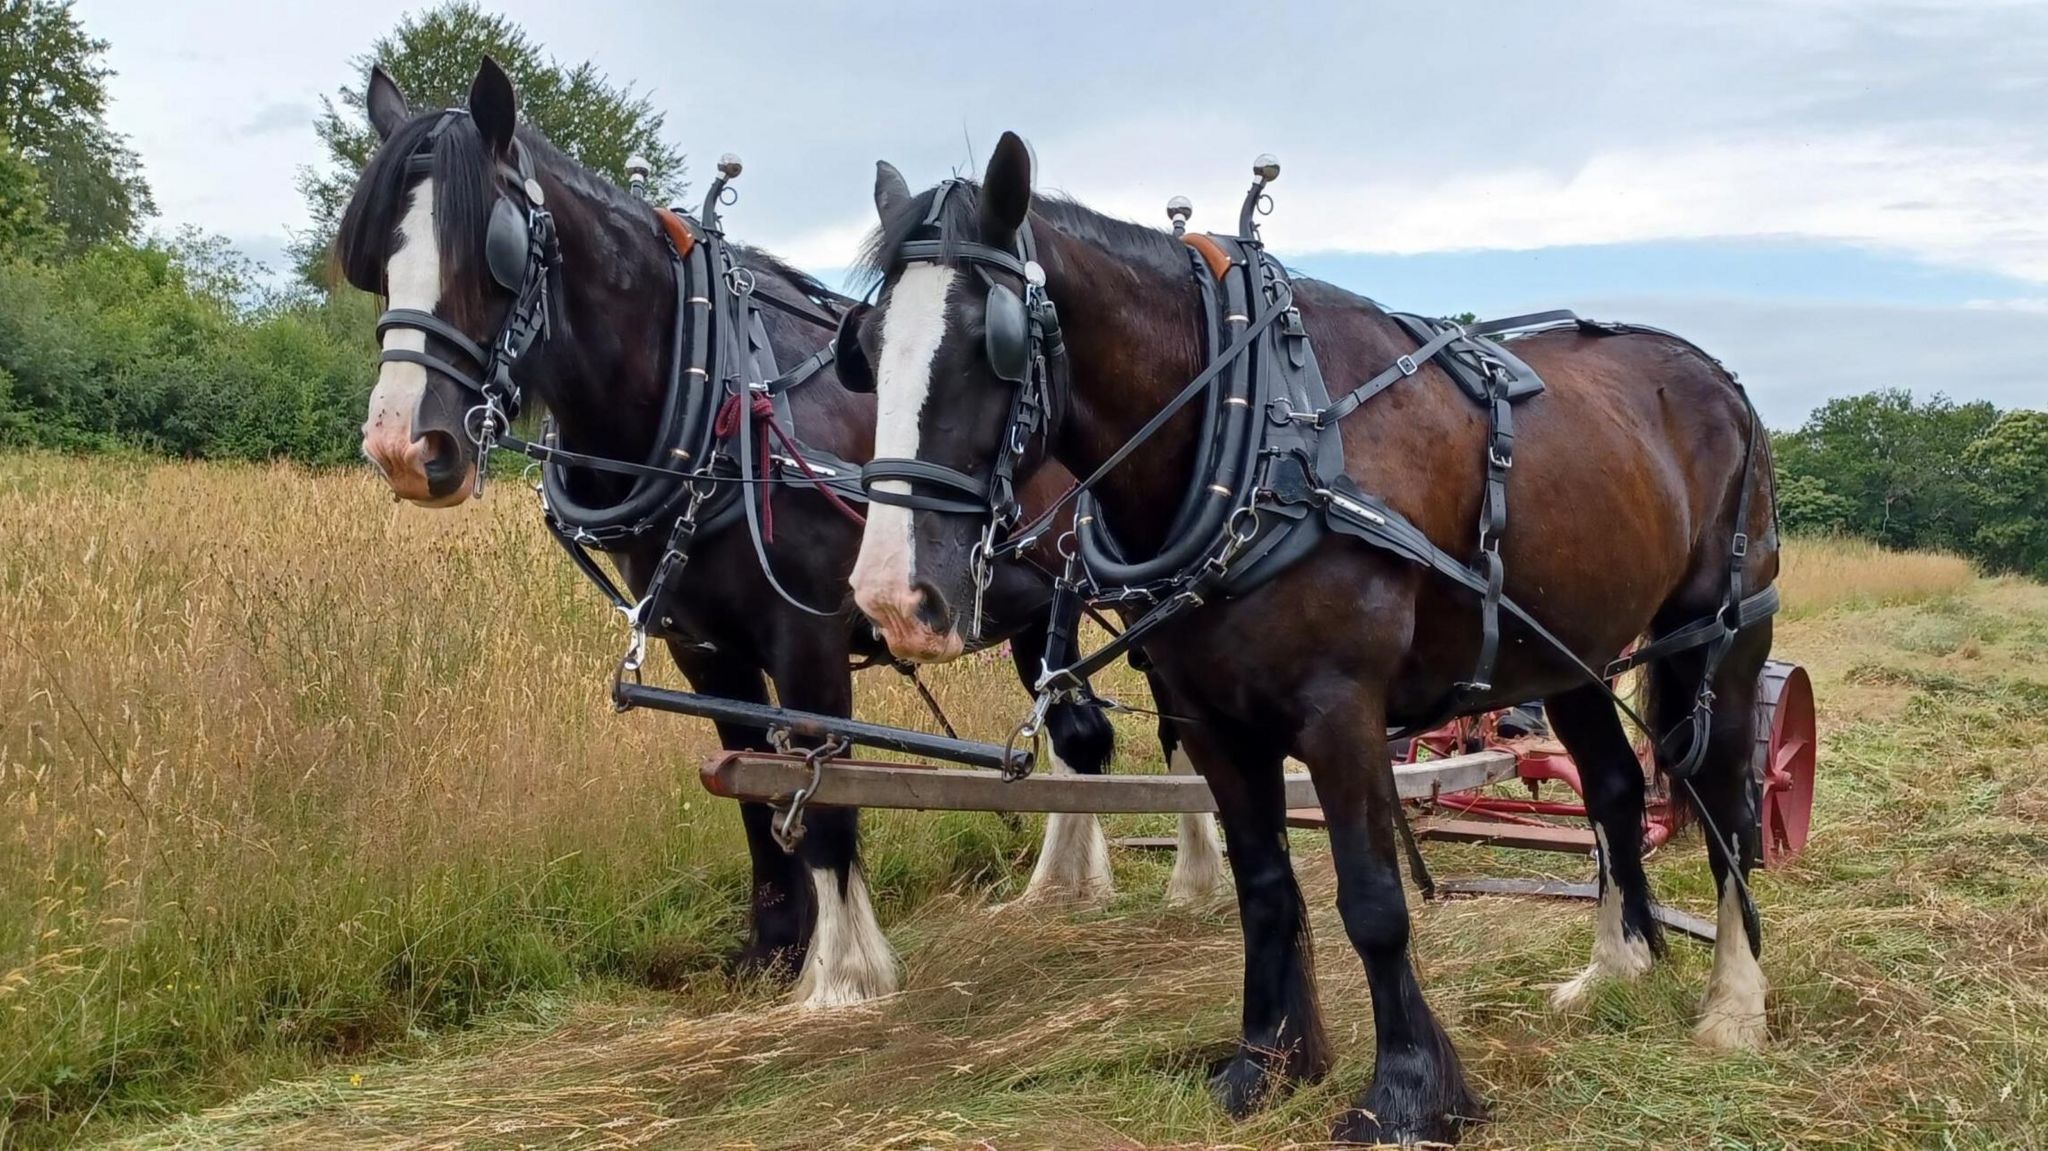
[
  {"x": 1021, "y": 338},
  {"x": 524, "y": 257}
]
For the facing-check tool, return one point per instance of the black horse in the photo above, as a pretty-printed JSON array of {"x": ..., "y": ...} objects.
[
  {"x": 419, "y": 231},
  {"x": 1640, "y": 491}
]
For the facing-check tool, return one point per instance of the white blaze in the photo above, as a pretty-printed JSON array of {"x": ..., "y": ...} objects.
[
  {"x": 913, "y": 326},
  {"x": 413, "y": 280}
]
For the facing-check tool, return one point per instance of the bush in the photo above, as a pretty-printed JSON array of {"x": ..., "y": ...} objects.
[{"x": 159, "y": 347}]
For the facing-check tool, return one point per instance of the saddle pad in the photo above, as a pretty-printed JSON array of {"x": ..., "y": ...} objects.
[{"x": 1464, "y": 360}]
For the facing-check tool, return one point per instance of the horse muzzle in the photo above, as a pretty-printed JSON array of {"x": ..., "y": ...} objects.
[
  {"x": 422, "y": 453},
  {"x": 914, "y": 619}
]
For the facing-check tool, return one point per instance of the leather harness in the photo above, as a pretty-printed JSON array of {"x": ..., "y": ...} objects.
[
  {"x": 1270, "y": 484},
  {"x": 725, "y": 406}
]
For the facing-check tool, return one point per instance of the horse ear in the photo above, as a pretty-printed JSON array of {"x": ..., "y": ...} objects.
[
  {"x": 891, "y": 191},
  {"x": 849, "y": 360},
  {"x": 494, "y": 106},
  {"x": 385, "y": 103},
  {"x": 1005, "y": 191}
]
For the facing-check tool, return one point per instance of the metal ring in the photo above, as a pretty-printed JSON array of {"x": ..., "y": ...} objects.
[
  {"x": 481, "y": 422},
  {"x": 1246, "y": 517},
  {"x": 728, "y": 195}
]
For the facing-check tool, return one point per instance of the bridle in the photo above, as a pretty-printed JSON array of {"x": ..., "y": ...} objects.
[
  {"x": 1020, "y": 342},
  {"x": 524, "y": 257}
]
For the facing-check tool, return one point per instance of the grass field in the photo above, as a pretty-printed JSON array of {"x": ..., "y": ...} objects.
[{"x": 294, "y": 782}]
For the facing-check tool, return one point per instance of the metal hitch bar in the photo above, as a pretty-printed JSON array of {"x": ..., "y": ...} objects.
[{"x": 816, "y": 726}]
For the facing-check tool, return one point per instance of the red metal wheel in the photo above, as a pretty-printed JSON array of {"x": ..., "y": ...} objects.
[{"x": 1783, "y": 765}]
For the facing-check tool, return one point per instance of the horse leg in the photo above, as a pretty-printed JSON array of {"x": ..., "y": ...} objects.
[
  {"x": 1198, "y": 876},
  {"x": 1418, "y": 1091},
  {"x": 780, "y": 908},
  {"x": 849, "y": 959},
  {"x": 1073, "y": 861},
  {"x": 1282, "y": 1041},
  {"x": 1732, "y": 1011},
  {"x": 1626, "y": 937}
]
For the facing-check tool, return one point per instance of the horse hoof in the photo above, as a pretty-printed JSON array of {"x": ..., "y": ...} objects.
[
  {"x": 755, "y": 961},
  {"x": 1247, "y": 1081},
  {"x": 1732, "y": 1031},
  {"x": 1362, "y": 1127}
]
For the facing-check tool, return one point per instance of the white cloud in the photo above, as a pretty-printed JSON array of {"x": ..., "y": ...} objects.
[{"x": 1960, "y": 204}]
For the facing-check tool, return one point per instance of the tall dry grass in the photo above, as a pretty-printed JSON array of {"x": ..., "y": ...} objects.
[
  {"x": 1823, "y": 572},
  {"x": 288, "y": 770}
]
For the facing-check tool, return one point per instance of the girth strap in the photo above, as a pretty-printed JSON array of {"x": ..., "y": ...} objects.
[{"x": 1493, "y": 523}]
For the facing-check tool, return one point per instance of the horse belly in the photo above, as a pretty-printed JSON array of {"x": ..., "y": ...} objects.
[{"x": 1603, "y": 510}]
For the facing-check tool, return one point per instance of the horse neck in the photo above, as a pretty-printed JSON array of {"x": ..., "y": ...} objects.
[
  {"x": 604, "y": 379},
  {"x": 1133, "y": 340}
]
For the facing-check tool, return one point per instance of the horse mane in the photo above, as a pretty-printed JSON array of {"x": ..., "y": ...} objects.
[
  {"x": 959, "y": 218},
  {"x": 464, "y": 192}
]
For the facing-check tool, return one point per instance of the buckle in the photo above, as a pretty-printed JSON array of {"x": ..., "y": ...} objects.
[
  {"x": 1407, "y": 365},
  {"x": 1503, "y": 462},
  {"x": 1741, "y": 544}
]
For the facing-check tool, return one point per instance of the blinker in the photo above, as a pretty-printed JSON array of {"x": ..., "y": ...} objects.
[
  {"x": 1007, "y": 335},
  {"x": 505, "y": 245}
]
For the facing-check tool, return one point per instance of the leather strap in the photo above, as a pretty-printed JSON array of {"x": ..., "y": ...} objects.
[
  {"x": 1412, "y": 363},
  {"x": 923, "y": 472},
  {"x": 435, "y": 326}
]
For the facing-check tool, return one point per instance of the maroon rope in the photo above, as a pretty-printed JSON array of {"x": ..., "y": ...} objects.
[{"x": 728, "y": 422}]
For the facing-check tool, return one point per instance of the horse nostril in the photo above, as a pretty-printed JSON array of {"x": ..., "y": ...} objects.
[
  {"x": 932, "y": 610},
  {"x": 440, "y": 459}
]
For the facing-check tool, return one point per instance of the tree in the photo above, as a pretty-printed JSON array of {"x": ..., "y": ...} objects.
[
  {"x": 53, "y": 102},
  {"x": 433, "y": 55},
  {"x": 1899, "y": 466},
  {"x": 1807, "y": 507},
  {"x": 26, "y": 230},
  {"x": 2009, "y": 466}
]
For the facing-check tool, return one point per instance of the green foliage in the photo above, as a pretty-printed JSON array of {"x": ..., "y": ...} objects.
[
  {"x": 433, "y": 55},
  {"x": 152, "y": 347},
  {"x": 1807, "y": 507},
  {"x": 26, "y": 229},
  {"x": 1957, "y": 477},
  {"x": 2010, "y": 466},
  {"x": 53, "y": 100}
]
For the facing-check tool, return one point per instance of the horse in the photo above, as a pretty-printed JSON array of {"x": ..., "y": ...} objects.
[
  {"x": 1633, "y": 481},
  {"x": 421, "y": 229}
]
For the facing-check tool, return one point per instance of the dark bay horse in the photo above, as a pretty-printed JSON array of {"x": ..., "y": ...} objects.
[
  {"x": 416, "y": 232},
  {"x": 1626, "y": 479}
]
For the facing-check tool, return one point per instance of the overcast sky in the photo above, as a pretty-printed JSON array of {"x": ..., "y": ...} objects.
[{"x": 1830, "y": 195}]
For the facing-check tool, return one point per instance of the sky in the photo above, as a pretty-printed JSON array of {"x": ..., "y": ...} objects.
[{"x": 1831, "y": 196}]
